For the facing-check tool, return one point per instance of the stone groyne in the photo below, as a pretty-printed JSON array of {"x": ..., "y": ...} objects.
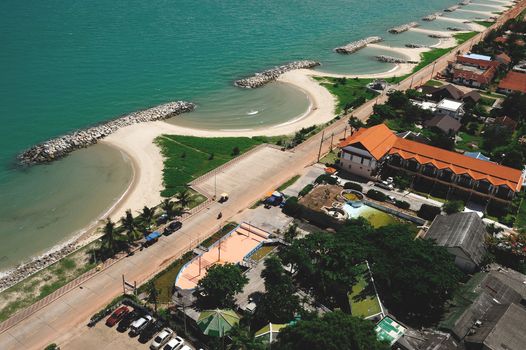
[
  {"x": 464, "y": 2},
  {"x": 439, "y": 36},
  {"x": 415, "y": 46},
  {"x": 390, "y": 59},
  {"x": 403, "y": 28},
  {"x": 61, "y": 146},
  {"x": 455, "y": 29},
  {"x": 452, "y": 8},
  {"x": 262, "y": 78},
  {"x": 431, "y": 17},
  {"x": 357, "y": 45}
]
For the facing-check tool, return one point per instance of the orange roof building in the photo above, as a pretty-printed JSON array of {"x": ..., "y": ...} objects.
[
  {"x": 367, "y": 150},
  {"x": 513, "y": 82}
]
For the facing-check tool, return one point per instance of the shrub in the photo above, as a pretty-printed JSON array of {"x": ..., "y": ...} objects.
[
  {"x": 428, "y": 212},
  {"x": 325, "y": 178},
  {"x": 235, "y": 151},
  {"x": 454, "y": 206},
  {"x": 507, "y": 220},
  {"x": 352, "y": 186},
  {"x": 306, "y": 190},
  {"x": 402, "y": 204},
  {"x": 376, "y": 195}
]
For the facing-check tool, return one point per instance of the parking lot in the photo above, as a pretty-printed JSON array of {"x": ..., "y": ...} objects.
[{"x": 102, "y": 337}]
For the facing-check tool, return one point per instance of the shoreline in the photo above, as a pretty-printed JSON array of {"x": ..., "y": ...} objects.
[{"x": 136, "y": 141}]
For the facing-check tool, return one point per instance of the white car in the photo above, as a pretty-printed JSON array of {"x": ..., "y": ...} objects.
[
  {"x": 138, "y": 325},
  {"x": 186, "y": 347},
  {"x": 174, "y": 344},
  {"x": 162, "y": 338}
]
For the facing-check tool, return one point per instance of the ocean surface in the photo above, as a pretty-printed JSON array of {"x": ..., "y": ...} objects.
[{"x": 69, "y": 64}]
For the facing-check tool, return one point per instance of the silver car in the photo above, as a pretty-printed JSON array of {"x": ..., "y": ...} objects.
[{"x": 162, "y": 338}]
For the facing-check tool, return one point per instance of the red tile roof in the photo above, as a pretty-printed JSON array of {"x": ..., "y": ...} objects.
[
  {"x": 503, "y": 57},
  {"x": 379, "y": 140},
  {"x": 514, "y": 81},
  {"x": 477, "y": 62},
  {"x": 482, "y": 78}
]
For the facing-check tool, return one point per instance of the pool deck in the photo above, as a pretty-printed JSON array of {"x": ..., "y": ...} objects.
[{"x": 232, "y": 248}]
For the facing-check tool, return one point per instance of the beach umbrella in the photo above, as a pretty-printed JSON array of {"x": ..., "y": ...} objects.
[
  {"x": 217, "y": 322},
  {"x": 269, "y": 333}
]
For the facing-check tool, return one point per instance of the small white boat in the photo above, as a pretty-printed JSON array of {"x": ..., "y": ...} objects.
[{"x": 252, "y": 112}]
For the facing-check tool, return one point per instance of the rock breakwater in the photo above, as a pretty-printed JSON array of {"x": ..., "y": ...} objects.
[
  {"x": 390, "y": 59},
  {"x": 431, "y": 17},
  {"x": 357, "y": 45},
  {"x": 60, "y": 147},
  {"x": 403, "y": 28},
  {"x": 452, "y": 8},
  {"x": 265, "y": 77}
]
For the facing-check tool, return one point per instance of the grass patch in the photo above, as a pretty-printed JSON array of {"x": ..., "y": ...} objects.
[
  {"x": 429, "y": 57},
  {"x": 463, "y": 37},
  {"x": 433, "y": 83},
  {"x": 362, "y": 297},
  {"x": 467, "y": 142},
  {"x": 330, "y": 158},
  {"x": 188, "y": 157},
  {"x": 487, "y": 101},
  {"x": 219, "y": 234},
  {"x": 262, "y": 252},
  {"x": 288, "y": 183},
  {"x": 520, "y": 221},
  {"x": 484, "y": 23},
  {"x": 164, "y": 282},
  {"x": 350, "y": 92}
]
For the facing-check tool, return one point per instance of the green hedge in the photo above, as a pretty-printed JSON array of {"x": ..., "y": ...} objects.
[
  {"x": 325, "y": 178},
  {"x": 428, "y": 212},
  {"x": 402, "y": 204},
  {"x": 306, "y": 190},
  {"x": 376, "y": 195},
  {"x": 353, "y": 186}
]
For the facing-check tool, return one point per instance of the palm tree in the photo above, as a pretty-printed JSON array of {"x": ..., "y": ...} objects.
[
  {"x": 153, "y": 295},
  {"x": 109, "y": 234},
  {"x": 129, "y": 225},
  {"x": 183, "y": 198},
  {"x": 147, "y": 216},
  {"x": 168, "y": 206}
]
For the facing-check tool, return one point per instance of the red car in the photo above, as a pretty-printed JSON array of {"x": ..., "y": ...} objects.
[{"x": 117, "y": 315}]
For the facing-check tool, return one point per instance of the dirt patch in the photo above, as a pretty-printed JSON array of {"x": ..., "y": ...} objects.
[{"x": 321, "y": 196}]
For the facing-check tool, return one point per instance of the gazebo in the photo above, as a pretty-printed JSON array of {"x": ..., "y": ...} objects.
[
  {"x": 217, "y": 322},
  {"x": 269, "y": 333}
]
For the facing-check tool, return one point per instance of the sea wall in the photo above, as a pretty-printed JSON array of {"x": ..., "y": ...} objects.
[
  {"x": 403, "y": 28},
  {"x": 389, "y": 59},
  {"x": 265, "y": 77},
  {"x": 357, "y": 45},
  {"x": 60, "y": 147}
]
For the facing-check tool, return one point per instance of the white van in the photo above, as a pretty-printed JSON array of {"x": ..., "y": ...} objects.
[{"x": 138, "y": 325}]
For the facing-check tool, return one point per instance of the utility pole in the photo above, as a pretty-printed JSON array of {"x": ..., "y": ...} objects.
[
  {"x": 433, "y": 70},
  {"x": 332, "y": 137},
  {"x": 321, "y": 143},
  {"x": 345, "y": 133},
  {"x": 411, "y": 84}
]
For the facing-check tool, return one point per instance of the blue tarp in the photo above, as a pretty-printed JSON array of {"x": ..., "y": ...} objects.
[{"x": 152, "y": 236}]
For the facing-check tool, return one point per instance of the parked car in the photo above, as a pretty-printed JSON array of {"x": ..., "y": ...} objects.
[
  {"x": 150, "y": 330},
  {"x": 161, "y": 339},
  {"x": 174, "y": 226},
  {"x": 117, "y": 315},
  {"x": 385, "y": 185},
  {"x": 151, "y": 239},
  {"x": 174, "y": 344},
  {"x": 139, "y": 324},
  {"x": 124, "y": 324},
  {"x": 163, "y": 219},
  {"x": 185, "y": 347}
]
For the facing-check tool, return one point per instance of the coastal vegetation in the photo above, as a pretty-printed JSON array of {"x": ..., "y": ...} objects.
[
  {"x": 188, "y": 157},
  {"x": 351, "y": 93}
]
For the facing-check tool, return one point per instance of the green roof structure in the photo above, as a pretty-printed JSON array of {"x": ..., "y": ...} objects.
[
  {"x": 217, "y": 323},
  {"x": 363, "y": 298},
  {"x": 388, "y": 330},
  {"x": 269, "y": 333}
]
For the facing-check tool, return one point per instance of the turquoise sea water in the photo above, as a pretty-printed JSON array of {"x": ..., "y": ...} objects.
[{"x": 69, "y": 64}]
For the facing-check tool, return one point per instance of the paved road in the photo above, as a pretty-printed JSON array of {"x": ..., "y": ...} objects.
[{"x": 66, "y": 317}]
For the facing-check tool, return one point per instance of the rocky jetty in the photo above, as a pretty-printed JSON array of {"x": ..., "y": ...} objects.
[
  {"x": 390, "y": 59},
  {"x": 452, "y": 8},
  {"x": 262, "y": 78},
  {"x": 455, "y": 29},
  {"x": 439, "y": 36},
  {"x": 464, "y": 2},
  {"x": 357, "y": 45},
  {"x": 403, "y": 28},
  {"x": 61, "y": 146},
  {"x": 431, "y": 17},
  {"x": 415, "y": 46},
  {"x": 23, "y": 271}
]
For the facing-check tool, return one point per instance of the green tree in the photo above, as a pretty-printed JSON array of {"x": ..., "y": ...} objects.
[
  {"x": 147, "y": 216},
  {"x": 235, "y": 151},
  {"x": 291, "y": 233},
  {"x": 128, "y": 223},
  {"x": 333, "y": 331},
  {"x": 398, "y": 100},
  {"x": 168, "y": 206},
  {"x": 220, "y": 285},
  {"x": 279, "y": 303},
  {"x": 414, "y": 277},
  {"x": 108, "y": 237},
  {"x": 183, "y": 198},
  {"x": 355, "y": 123},
  {"x": 453, "y": 206},
  {"x": 153, "y": 295}
]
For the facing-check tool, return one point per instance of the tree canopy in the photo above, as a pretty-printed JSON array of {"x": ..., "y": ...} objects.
[
  {"x": 333, "y": 331},
  {"x": 220, "y": 285}
]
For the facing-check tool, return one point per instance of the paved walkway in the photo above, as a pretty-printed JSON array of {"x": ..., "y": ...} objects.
[{"x": 66, "y": 317}]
